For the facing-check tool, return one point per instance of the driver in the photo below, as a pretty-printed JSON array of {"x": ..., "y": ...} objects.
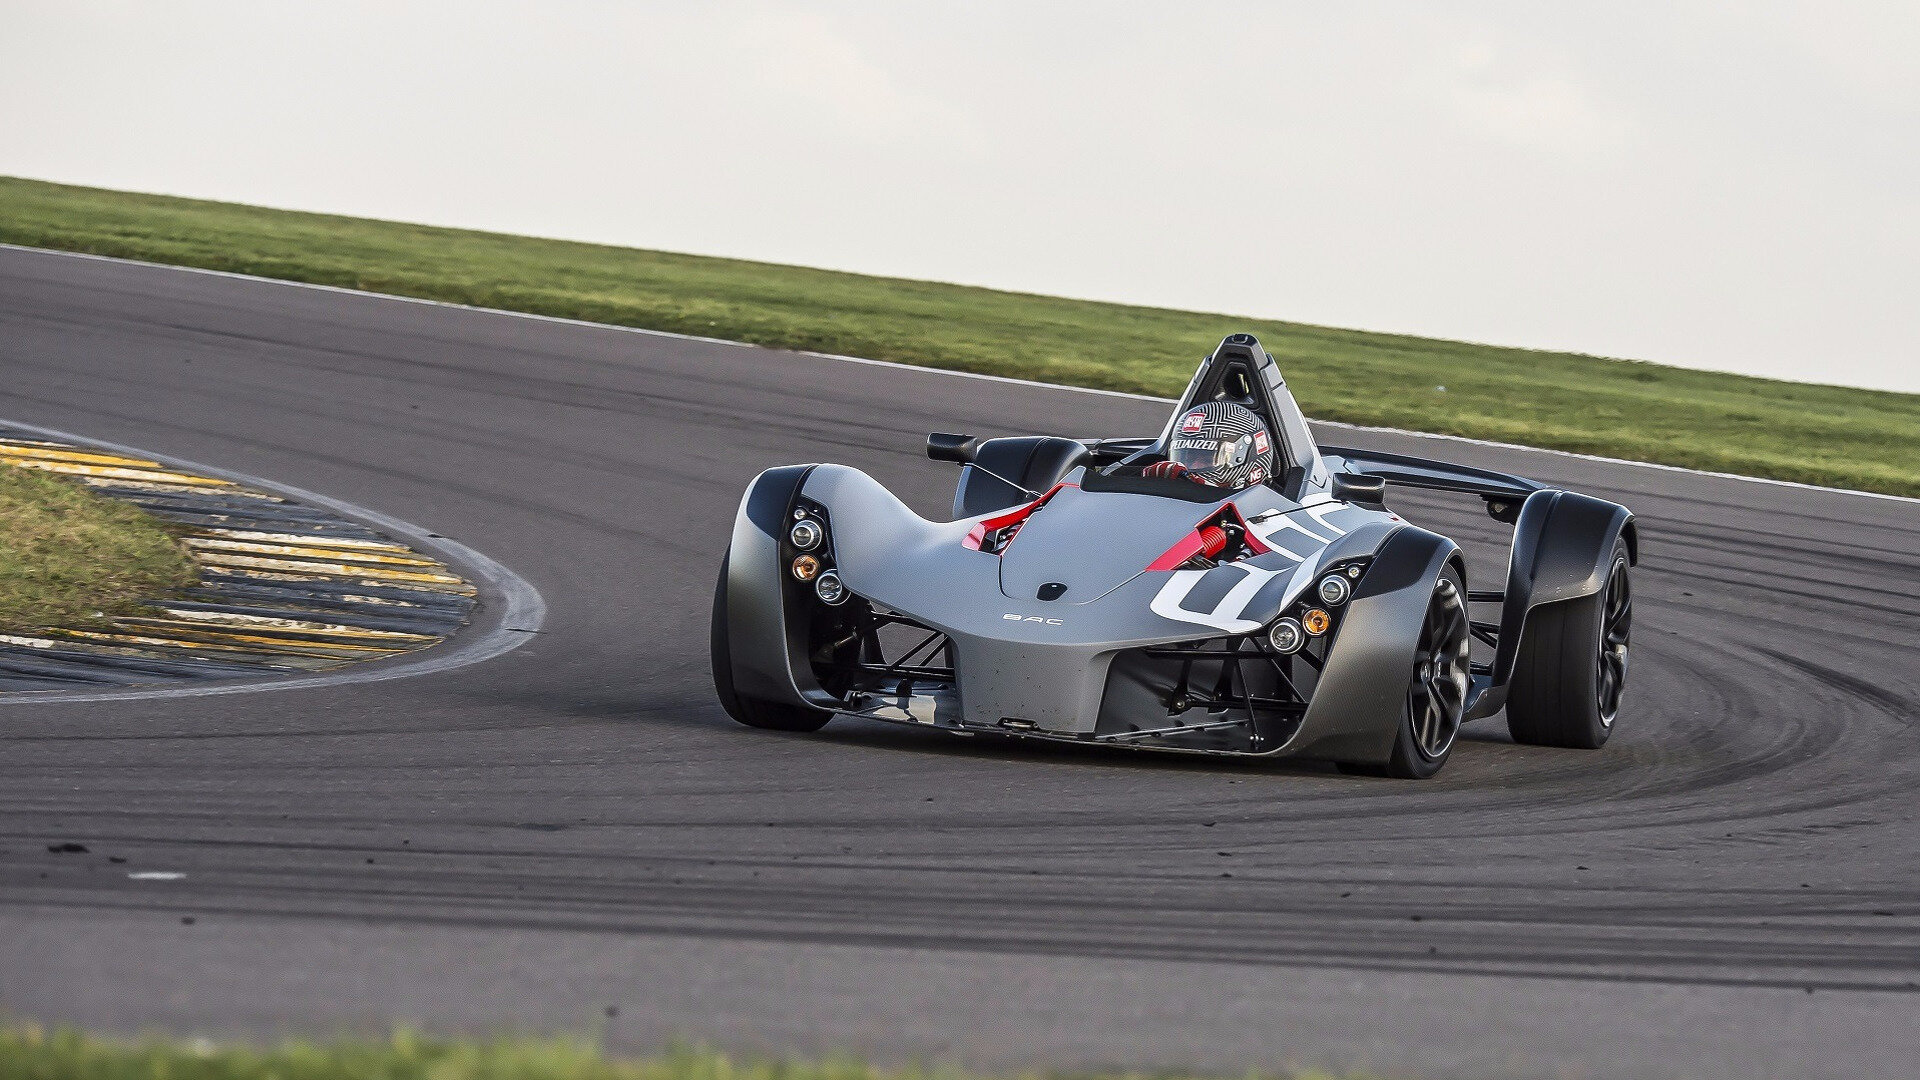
[{"x": 1218, "y": 443}]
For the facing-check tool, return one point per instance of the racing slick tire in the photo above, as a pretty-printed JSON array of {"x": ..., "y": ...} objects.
[
  {"x": 753, "y": 712},
  {"x": 1436, "y": 700},
  {"x": 1572, "y": 665}
]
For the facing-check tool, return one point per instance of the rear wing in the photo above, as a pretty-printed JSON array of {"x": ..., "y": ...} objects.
[{"x": 1503, "y": 492}]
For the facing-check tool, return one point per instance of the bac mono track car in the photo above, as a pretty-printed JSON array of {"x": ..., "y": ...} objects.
[{"x": 1224, "y": 587}]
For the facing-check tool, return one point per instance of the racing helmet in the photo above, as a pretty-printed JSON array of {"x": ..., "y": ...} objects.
[{"x": 1222, "y": 444}]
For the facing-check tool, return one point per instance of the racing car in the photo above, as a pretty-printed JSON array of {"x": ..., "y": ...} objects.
[{"x": 1226, "y": 587}]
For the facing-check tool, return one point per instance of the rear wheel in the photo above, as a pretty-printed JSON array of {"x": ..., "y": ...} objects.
[
  {"x": 1572, "y": 666},
  {"x": 751, "y": 711}
]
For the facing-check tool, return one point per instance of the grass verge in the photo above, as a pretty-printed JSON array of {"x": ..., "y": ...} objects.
[
  {"x": 68, "y": 557},
  {"x": 31, "y": 1054},
  {"x": 1789, "y": 431}
]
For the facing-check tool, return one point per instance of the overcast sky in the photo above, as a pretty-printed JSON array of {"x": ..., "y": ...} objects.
[{"x": 1722, "y": 185}]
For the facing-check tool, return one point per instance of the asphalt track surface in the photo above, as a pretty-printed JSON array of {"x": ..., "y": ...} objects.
[{"x": 1731, "y": 887}]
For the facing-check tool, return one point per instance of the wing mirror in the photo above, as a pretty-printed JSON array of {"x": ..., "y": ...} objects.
[
  {"x": 1360, "y": 489},
  {"x": 942, "y": 446}
]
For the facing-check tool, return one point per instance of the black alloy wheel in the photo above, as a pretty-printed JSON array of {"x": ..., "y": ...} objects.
[
  {"x": 1616, "y": 629},
  {"x": 1437, "y": 688},
  {"x": 1437, "y": 694}
]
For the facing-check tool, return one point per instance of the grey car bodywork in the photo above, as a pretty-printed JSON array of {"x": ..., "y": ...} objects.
[{"x": 1126, "y": 647}]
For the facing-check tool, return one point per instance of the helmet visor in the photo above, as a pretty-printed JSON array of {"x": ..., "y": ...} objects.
[{"x": 1204, "y": 454}]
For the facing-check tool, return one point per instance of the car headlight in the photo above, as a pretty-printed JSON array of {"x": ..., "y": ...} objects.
[
  {"x": 1286, "y": 636},
  {"x": 829, "y": 588},
  {"x": 1334, "y": 590},
  {"x": 806, "y": 534}
]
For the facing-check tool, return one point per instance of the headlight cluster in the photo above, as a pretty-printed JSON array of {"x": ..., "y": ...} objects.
[
  {"x": 1287, "y": 635},
  {"x": 1312, "y": 616},
  {"x": 1333, "y": 590},
  {"x": 809, "y": 537}
]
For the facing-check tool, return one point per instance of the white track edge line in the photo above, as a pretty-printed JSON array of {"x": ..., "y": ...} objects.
[
  {"x": 1462, "y": 439},
  {"x": 523, "y": 611}
]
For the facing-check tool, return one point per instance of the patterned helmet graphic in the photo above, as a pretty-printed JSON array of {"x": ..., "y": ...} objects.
[{"x": 1222, "y": 444}]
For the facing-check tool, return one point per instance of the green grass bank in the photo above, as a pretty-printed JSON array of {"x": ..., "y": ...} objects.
[
  {"x": 69, "y": 556},
  {"x": 29, "y": 1053},
  {"x": 1789, "y": 431}
]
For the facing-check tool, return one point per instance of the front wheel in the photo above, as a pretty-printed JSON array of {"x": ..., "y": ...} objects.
[
  {"x": 1437, "y": 686},
  {"x": 751, "y": 711},
  {"x": 1572, "y": 666}
]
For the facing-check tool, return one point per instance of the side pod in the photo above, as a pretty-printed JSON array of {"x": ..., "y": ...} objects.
[{"x": 1561, "y": 543}]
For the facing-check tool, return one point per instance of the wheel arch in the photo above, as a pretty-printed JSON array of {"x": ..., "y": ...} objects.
[
  {"x": 1562, "y": 544},
  {"x": 1356, "y": 708},
  {"x": 764, "y": 638}
]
